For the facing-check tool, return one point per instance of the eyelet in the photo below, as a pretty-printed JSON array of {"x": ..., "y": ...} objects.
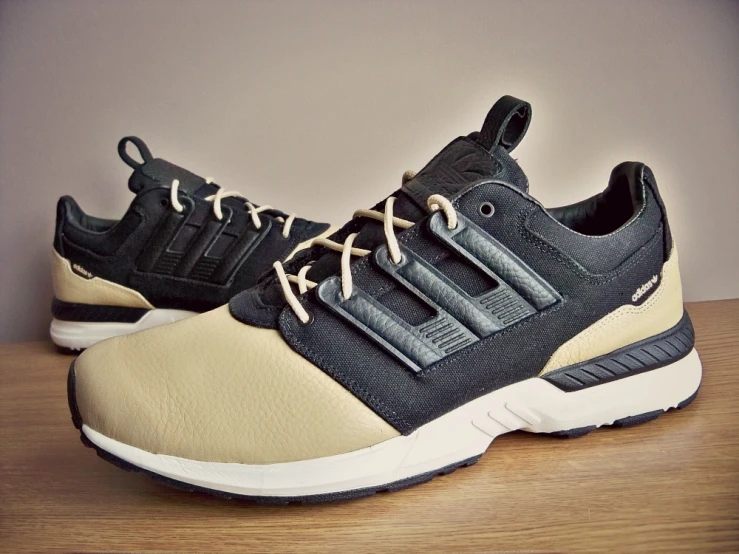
[
  {"x": 486, "y": 209},
  {"x": 310, "y": 321},
  {"x": 164, "y": 202},
  {"x": 390, "y": 259}
]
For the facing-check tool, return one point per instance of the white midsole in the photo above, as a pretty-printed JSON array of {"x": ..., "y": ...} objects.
[
  {"x": 534, "y": 405},
  {"x": 78, "y": 335}
]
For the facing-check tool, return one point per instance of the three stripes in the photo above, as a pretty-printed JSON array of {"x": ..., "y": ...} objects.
[
  {"x": 195, "y": 260},
  {"x": 460, "y": 319}
]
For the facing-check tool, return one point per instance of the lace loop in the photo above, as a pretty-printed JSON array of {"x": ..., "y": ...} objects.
[
  {"x": 438, "y": 202},
  {"x": 176, "y": 204},
  {"x": 301, "y": 280},
  {"x": 292, "y": 300},
  {"x": 346, "y": 270},
  {"x": 435, "y": 202},
  {"x": 336, "y": 247},
  {"x": 220, "y": 194}
]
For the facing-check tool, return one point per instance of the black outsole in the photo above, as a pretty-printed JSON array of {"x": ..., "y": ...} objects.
[
  {"x": 646, "y": 355},
  {"x": 68, "y": 351},
  {"x": 93, "y": 313},
  {"x": 329, "y": 497}
]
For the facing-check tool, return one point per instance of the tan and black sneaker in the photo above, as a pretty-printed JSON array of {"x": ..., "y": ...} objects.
[
  {"x": 456, "y": 310},
  {"x": 184, "y": 246}
]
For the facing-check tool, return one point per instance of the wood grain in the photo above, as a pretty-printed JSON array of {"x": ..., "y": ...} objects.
[{"x": 669, "y": 485}]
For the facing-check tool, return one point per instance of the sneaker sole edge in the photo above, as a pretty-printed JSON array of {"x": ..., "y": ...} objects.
[
  {"x": 78, "y": 335},
  {"x": 454, "y": 440}
]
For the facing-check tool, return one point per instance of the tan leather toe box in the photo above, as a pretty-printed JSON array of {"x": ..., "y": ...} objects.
[{"x": 210, "y": 388}]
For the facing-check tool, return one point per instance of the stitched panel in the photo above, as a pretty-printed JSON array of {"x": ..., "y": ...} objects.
[
  {"x": 652, "y": 353},
  {"x": 417, "y": 347},
  {"x": 244, "y": 246},
  {"x": 407, "y": 399},
  {"x": 490, "y": 255},
  {"x": 437, "y": 290},
  {"x": 71, "y": 287},
  {"x": 627, "y": 324},
  {"x": 249, "y": 399},
  {"x": 199, "y": 246},
  {"x": 460, "y": 320}
]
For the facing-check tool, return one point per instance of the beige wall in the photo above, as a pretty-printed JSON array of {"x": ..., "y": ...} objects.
[{"x": 319, "y": 107}]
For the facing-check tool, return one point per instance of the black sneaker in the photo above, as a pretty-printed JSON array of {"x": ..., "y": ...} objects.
[
  {"x": 184, "y": 246},
  {"x": 455, "y": 311}
]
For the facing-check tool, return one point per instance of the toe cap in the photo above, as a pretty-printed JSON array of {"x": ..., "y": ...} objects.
[{"x": 210, "y": 388}]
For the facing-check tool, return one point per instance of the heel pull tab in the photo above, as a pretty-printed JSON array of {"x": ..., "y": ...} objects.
[
  {"x": 505, "y": 124},
  {"x": 140, "y": 145}
]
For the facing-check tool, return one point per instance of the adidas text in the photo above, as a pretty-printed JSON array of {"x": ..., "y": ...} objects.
[{"x": 645, "y": 288}]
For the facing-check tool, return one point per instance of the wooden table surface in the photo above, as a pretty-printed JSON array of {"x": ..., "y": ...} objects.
[{"x": 671, "y": 484}]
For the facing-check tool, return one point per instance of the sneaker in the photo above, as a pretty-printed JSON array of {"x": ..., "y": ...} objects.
[
  {"x": 454, "y": 311},
  {"x": 184, "y": 246}
]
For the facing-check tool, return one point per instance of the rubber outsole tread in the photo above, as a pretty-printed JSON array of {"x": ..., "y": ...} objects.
[
  {"x": 68, "y": 351},
  {"x": 623, "y": 422},
  {"x": 628, "y": 361},
  {"x": 329, "y": 497}
]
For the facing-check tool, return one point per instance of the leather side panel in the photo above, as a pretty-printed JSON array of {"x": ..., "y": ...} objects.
[
  {"x": 71, "y": 287},
  {"x": 212, "y": 389},
  {"x": 627, "y": 324}
]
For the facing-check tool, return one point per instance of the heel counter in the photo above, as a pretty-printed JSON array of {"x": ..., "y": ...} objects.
[
  {"x": 57, "y": 252},
  {"x": 61, "y": 218},
  {"x": 649, "y": 183},
  {"x": 628, "y": 324},
  {"x": 652, "y": 353},
  {"x": 80, "y": 286}
]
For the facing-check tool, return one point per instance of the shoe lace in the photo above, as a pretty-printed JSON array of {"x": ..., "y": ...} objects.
[
  {"x": 435, "y": 202},
  {"x": 217, "y": 210}
]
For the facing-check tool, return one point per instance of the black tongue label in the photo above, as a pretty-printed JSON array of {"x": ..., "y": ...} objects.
[
  {"x": 462, "y": 162},
  {"x": 161, "y": 173},
  {"x": 483, "y": 155},
  {"x": 154, "y": 172}
]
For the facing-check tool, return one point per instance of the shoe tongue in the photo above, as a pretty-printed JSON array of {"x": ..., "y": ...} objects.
[
  {"x": 483, "y": 155},
  {"x": 156, "y": 172},
  {"x": 461, "y": 163}
]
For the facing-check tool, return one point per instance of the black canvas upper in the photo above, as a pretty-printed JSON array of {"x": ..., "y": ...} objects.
[
  {"x": 593, "y": 255},
  {"x": 461, "y": 162},
  {"x": 189, "y": 260}
]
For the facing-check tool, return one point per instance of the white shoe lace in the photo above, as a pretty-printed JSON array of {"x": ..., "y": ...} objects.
[
  {"x": 221, "y": 194},
  {"x": 435, "y": 202}
]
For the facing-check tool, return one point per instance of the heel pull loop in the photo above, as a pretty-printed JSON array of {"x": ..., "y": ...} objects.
[
  {"x": 505, "y": 124},
  {"x": 140, "y": 145}
]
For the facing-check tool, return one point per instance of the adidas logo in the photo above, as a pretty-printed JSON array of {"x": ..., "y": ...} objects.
[
  {"x": 644, "y": 289},
  {"x": 82, "y": 271}
]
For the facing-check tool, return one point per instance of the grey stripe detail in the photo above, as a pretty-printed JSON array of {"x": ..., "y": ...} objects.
[
  {"x": 418, "y": 347},
  {"x": 438, "y": 291},
  {"x": 491, "y": 256},
  {"x": 505, "y": 304},
  {"x": 460, "y": 319}
]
